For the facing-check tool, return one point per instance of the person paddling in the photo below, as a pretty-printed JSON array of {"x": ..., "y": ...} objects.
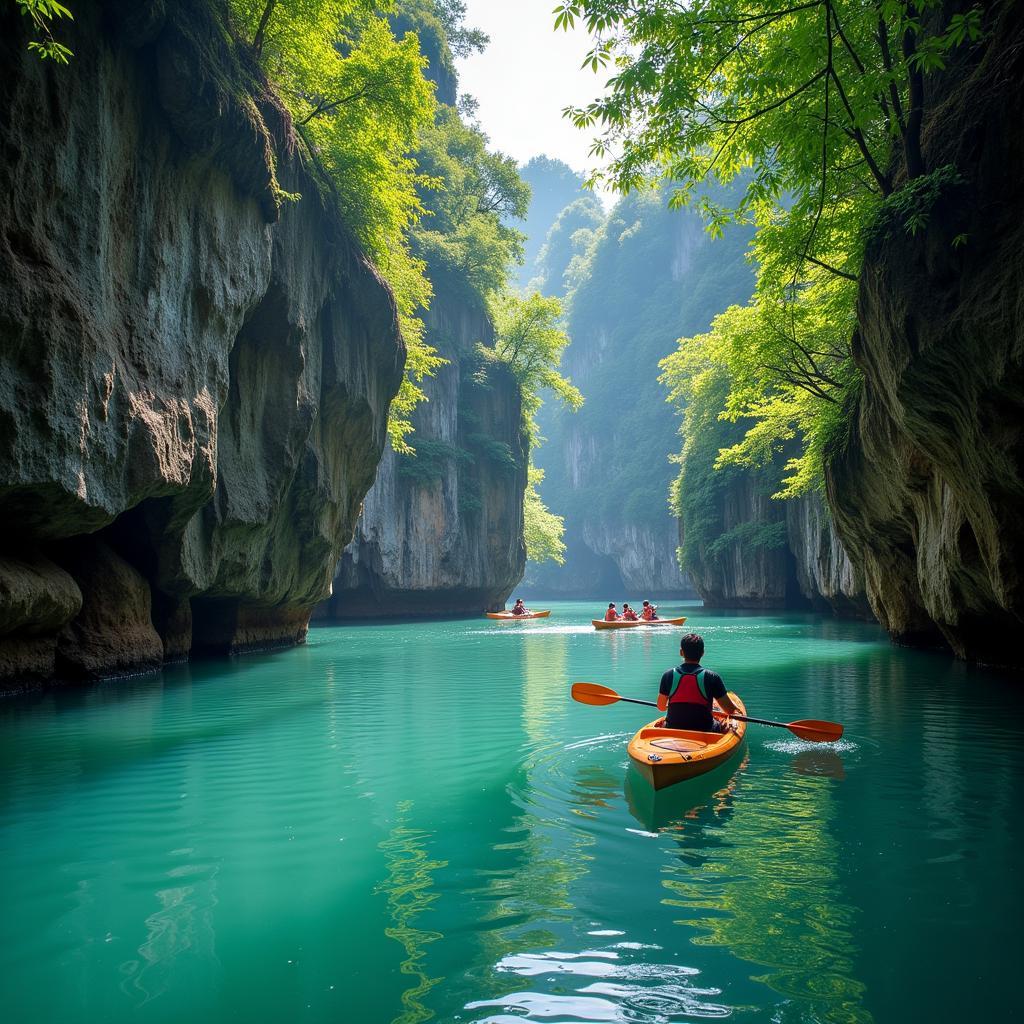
[
  {"x": 687, "y": 693},
  {"x": 519, "y": 608},
  {"x": 628, "y": 614},
  {"x": 611, "y": 615},
  {"x": 649, "y": 613}
]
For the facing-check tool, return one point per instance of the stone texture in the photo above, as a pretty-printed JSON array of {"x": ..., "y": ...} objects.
[
  {"x": 114, "y": 630},
  {"x": 804, "y": 566},
  {"x": 447, "y": 540},
  {"x": 928, "y": 492},
  {"x": 825, "y": 574},
  {"x": 192, "y": 376}
]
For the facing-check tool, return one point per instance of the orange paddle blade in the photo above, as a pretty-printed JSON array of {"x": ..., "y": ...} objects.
[
  {"x": 815, "y": 731},
  {"x": 593, "y": 693}
]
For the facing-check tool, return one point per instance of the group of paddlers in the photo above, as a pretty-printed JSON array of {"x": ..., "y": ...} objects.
[{"x": 649, "y": 613}]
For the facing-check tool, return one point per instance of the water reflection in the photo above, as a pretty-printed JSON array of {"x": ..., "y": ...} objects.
[
  {"x": 759, "y": 876},
  {"x": 408, "y": 888}
]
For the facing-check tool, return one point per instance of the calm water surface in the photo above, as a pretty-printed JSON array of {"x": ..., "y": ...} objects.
[{"x": 399, "y": 823}]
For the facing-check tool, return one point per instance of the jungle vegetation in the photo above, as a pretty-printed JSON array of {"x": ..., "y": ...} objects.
[{"x": 815, "y": 110}]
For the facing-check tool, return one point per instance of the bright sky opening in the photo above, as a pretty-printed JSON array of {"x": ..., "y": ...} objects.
[{"x": 525, "y": 78}]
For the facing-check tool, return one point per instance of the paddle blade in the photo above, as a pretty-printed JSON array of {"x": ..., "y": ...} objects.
[
  {"x": 593, "y": 693},
  {"x": 815, "y": 731}
]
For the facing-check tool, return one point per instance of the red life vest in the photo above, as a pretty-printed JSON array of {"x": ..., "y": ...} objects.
[{"x": 688, "y": 688}]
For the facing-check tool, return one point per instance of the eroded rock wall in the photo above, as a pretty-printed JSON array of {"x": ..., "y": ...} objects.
[
  {"x": 776, "y": 554},
  {"x": 443, "y": 531},
  {"x": 928, "y": 491},
  {"x": 194, "y": 377}
]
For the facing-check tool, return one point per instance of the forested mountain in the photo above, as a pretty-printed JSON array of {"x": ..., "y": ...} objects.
[
  {"x": 636, "y": 281},
  {"x": 553, "y": 186}
]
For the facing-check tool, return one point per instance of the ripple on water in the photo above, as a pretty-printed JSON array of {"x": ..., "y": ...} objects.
[{"x": 627, "y": 992}]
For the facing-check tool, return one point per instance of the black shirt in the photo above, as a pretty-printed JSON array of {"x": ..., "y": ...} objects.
[{"x": 691, "y": 716}]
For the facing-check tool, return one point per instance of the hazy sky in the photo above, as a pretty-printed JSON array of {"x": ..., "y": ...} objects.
[{"x": 525, "y": 77}]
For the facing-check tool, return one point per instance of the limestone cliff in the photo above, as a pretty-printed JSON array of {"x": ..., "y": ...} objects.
[
  {"x": 443, "y": 531},
  {"x": 651, "y": 275},
  {"x": 194, "y": 378},
  {"x": 765, "y": 554},
  {"x": 928, "y": 490}
]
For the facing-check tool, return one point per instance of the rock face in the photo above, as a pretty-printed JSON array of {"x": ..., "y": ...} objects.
[
  {"x": 194, "y": 379},
  {"x": 442, "y": 531},
  {"x": 766, "y": 554},
  {"x": 651, "y": 276},
  {"x": 928, "y": 492}
]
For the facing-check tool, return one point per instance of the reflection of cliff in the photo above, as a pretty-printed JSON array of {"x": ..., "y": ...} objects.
[
  {"x": 650, "y": 276},
  {"x": 195, "y": 378},
  {"x": 443, "y": 531}
]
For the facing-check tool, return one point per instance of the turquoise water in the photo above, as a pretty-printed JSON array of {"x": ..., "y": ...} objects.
[{"x": 406, "y": 822}]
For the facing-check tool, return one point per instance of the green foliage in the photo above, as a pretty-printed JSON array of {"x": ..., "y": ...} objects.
[
  {"x": 359, "y": 100},
  {"x": 530, "y": 343},
  {"x": 566, "y": 247},
  {"x": 496, "y": 452},
  {"x": 43, "y": 13},
  {"x": 749, "y": 537},
  {"x": 649, "y": 275},
  {"x": 812, "y": 109},
  {"x": 542, "y": 529},
  {"x": 431, "y": 460},
  {"x": 909, "y": 208},
  {"x": 467, "y": 194},
  {"x": 554, "y": 185}
]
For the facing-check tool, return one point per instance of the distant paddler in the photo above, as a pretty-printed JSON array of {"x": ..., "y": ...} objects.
[
  {"x": 628, "y": 615},
  {"x": 611, "y": 615},
  {"x": 519, "y": 608},
  {"x": 649, "y": 612}
]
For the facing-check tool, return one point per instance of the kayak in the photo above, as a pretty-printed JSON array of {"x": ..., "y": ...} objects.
[
  {"x": 667, "y": 756},
  {"x": 625, "y": 624},
  {"x": 509, "y": 616}
]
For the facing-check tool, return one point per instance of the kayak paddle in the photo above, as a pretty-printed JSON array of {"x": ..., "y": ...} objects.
[{"x": 807, "y": 729}]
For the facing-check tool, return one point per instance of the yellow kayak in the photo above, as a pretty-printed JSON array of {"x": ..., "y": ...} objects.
[{"x": 667, "y": 756}]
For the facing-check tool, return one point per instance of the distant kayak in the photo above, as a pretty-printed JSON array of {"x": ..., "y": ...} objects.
[
  {"x": 626, "y": 624},
  {"x": 667, "y": 756},
  {"x": 509, "y": 615}
]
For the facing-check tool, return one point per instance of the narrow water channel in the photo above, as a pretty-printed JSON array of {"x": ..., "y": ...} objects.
[{"x": 409, "y": 822}]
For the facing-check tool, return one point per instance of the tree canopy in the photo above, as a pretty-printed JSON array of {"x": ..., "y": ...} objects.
[
  {"x": 815, "y": 108},
  {"x": 530, "y": 342}
]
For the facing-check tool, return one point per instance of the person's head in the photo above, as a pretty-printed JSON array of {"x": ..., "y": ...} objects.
[
  {"x": 691, "y": 647},
  {"x": 519, "y": 600},
  {"x": 625, "y": 604},
  {"x": 646, "y": 603},
  {"x": 611, "y": 604}
]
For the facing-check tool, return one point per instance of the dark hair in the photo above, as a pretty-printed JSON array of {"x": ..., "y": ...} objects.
[
  {"x": 692, "y": 646},
  {"x": 611, "y": 604},
  {"x": 647, "y": 602}
]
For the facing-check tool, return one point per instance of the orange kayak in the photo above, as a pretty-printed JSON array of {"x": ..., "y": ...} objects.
[
  {"x": 507, "y": 616},
  {"x": 667, "y": 756},
  {"x": 624, "y": 624}
]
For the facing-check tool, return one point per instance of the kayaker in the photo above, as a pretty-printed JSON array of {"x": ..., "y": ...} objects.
[
  {"x": 519, "y": 608},
  {"x": 649, "y": 612},
  {"x": 687, "y": 693},
  {"x": 628, "y": 614},
  {"x": 611, "y": 615}
]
